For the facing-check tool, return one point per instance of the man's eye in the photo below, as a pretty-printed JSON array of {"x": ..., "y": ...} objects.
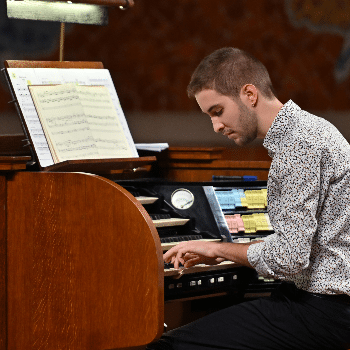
[{"x": 217, "y": 113}]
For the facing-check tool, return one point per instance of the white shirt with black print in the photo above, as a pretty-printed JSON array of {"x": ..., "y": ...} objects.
[{"x": 308, "y": 204}]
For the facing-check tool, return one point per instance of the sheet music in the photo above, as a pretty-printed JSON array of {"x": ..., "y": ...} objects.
[
  {"x": 69, "y": 134},
  {"x": 22, "y": 77},
  {"x": 100, "y": 77},
  {"x": 155, "y": 147},
  {"x": 104, "y": 122}
]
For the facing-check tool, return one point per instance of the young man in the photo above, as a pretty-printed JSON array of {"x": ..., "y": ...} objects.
[{"x": 309, "y": 209}]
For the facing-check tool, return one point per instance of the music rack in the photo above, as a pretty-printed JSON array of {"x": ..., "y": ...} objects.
[{"x": 86, "y": 165}]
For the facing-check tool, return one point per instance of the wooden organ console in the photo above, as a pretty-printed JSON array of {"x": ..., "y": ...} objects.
[
  {"x": 81, "y": 257},
  {"x": 81, "y": 263}
]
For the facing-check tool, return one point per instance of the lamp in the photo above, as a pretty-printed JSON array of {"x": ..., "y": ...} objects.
[{"x": 73, "y": 11}]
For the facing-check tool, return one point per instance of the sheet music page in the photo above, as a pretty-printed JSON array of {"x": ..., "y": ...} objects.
[
  {"x": 62, "y": 117},
  {"x": 21, "y": 78},
  {"x": 101, "y": 77},
  {"x": 104, "y": 122}
]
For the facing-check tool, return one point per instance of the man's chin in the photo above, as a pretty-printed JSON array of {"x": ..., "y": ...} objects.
[{"x": 241, "y": 141}]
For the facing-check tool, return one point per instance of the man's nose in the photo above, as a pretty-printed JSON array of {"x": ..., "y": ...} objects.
[{"x": 217, "y": 125}]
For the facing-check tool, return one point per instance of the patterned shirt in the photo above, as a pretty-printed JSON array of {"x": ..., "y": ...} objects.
[{"x": 308, "y": 204}]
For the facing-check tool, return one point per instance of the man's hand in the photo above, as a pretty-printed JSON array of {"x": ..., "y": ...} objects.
[
  {"x": 191, "y": 253},
  {"x": 194, "y": 259}
]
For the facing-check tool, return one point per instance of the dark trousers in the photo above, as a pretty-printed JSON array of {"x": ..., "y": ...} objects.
[{"x": 289, "y": 319}]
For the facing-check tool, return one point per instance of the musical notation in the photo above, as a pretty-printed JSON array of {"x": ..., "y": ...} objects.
[
  {"x": 74, "y": 120},
  {"x": 21, "y": 78}
]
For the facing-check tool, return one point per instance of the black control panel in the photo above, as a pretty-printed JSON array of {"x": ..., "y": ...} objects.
[{"x": 209, "y": 208}]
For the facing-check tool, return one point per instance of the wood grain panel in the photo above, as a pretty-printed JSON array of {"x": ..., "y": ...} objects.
[
  {"x": 196, "y": 171},
  {"x": 84, "y": 264},
  {"x": 201, "y": 163},
  {"x": 3, "y": 265},
  {"x": 198, "y": 153},
  {"x": 196, "y": 175},
  {"x": 14, "y": 163},
  {"x": 100, "y": 165},
  {"x": 52, "y": 64}
]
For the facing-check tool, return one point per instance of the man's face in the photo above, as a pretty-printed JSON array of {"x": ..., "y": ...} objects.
[{"x": 230, "y": 117}]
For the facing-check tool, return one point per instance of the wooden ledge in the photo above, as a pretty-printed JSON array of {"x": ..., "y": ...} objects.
[{"x": 13, "y": 163}]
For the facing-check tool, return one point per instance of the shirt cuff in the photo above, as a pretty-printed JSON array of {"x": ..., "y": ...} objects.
[{"x": 253, "y": 253}]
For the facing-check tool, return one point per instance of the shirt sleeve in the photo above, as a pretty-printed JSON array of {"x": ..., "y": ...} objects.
[{"x": 293, "y": 200}]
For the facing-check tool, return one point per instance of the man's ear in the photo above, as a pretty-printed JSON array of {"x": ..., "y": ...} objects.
[{"x": 249, "y": 95}]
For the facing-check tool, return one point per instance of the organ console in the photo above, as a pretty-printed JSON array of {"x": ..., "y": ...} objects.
[{"x": 81, "y": 256}]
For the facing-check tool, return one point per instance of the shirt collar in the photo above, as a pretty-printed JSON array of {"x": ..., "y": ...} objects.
[{"x": 280, "y": 127}]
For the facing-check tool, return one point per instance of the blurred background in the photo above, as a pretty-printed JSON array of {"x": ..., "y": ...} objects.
[{"x": 152, "y": 49}]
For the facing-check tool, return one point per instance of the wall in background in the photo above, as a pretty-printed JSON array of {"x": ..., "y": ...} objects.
[{"x": 152, "y": 49}]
